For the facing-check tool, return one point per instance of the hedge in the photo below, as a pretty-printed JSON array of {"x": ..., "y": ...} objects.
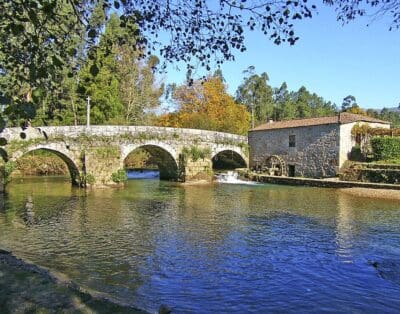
[{"x": 385, "y": 148}]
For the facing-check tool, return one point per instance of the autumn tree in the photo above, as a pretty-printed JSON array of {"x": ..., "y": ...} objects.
[
  {"x": 36, "y": 35},
  {"x": 207, "y": 105}
]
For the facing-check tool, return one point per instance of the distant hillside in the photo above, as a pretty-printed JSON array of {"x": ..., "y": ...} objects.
[{"x": 394, "y": 109}]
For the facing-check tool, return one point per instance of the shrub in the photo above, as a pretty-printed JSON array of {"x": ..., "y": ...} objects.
[
  {"x": 196, "y": 153},
  {"x": 90, "y": 179},
  {"x": 8, "y": 169},
  {"x": 385, "y": 148},
  {"x": 356, "y": 154},
  {"x": 120, "y": 176}
]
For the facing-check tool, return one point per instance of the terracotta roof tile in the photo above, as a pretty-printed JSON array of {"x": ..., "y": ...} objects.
[
  {"x": 346, "y": 117},
  {"x": 342, "y": 118}
]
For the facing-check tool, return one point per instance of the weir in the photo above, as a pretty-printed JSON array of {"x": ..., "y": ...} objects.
[{"x": 95, "y": 155}]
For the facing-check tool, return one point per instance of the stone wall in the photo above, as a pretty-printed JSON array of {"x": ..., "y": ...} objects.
[
  {"x": 100, "y": 163},
  {"x": 371, "y": 172},
  {"x": 316, "y": 151},
  {"x": 199, "y": 169},
  {"x": 93, "y": 154}
]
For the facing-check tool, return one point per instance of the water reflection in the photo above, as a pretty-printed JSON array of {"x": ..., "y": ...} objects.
[{"x": 210, "y": 248}]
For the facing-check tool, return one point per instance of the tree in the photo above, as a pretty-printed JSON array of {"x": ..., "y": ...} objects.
[
  {"x": 36, "y": 36},
  {"x": 138, "y": 89},
  {"x": 391, "y": 116},
  {"x": 349, "y": 102},
  {"x": 256, "y": 94},
  {"x": 348, "y": 10},
  {"x": 124, "y": 89},
  {"x": 206, "y": 105},
  {"x": 299, "y": 104}
]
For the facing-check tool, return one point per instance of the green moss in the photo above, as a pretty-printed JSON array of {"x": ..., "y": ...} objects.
[{"x": 107, "y": 152}]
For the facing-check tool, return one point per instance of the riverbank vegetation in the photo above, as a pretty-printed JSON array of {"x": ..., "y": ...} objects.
[
  {"x": 40, "y": 162},
  {"x": 375, "y": 158}
]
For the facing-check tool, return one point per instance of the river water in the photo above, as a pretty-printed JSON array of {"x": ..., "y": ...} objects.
[{"x": 212, "y": 248}]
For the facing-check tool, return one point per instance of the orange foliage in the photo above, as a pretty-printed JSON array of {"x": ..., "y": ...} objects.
[{"x": 207, "y": 106}]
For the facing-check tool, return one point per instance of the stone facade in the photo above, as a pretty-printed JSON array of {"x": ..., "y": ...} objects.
[
  {"x": 94, "y": 154},
  {"x": 318, "y": 148},
  {"x": 315, "y": 153}
]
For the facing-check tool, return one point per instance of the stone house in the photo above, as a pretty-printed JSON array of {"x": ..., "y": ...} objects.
[{"x": 315, "y": 147}]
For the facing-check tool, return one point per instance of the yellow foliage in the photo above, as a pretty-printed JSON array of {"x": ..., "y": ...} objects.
[
  {"x": 207, "y": 105},
  {"x": 357, "y": 110}
]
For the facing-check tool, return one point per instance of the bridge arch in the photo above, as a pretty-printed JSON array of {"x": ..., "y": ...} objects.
[
  {"x": 162, "y": 155},
  {"x": 228, "y": 158},
  {"x": 62, "y": 153}
]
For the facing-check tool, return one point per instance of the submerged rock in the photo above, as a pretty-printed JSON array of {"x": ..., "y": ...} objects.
[
  {"x": 164, "y": 309},
  {"x": 388, "y": 269}
]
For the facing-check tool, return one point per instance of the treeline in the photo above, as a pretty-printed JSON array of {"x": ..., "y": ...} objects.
[
  {"x": 114, "y": 73},
  {"x": 119, "y": 79},
  {"x": 266, "y": 102}
]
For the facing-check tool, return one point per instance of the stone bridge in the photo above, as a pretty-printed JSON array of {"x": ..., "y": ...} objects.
[{"x": 95, "y": 155}]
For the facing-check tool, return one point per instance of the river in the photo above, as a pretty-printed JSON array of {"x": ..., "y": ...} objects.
[{"x": 211, "y": 248}]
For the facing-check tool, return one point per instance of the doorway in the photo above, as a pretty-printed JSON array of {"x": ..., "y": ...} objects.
[{"x": 291, "y": 170}]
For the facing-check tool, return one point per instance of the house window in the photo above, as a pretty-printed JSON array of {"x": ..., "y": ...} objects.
[{"x": 292, "y": 140}]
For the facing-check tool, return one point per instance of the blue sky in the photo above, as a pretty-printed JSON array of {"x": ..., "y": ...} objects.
[{"x": 330, "y": 59}]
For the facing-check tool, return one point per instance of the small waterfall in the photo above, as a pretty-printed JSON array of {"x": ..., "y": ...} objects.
[{"x": 232, "y": 177}]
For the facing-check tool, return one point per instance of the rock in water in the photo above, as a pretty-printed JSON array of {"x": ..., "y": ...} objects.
[
  {"x": 164, "y": 309},
  {"x": 388, "y": 269}
]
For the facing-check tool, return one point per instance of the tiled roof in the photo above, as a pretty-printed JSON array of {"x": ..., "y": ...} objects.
[{"x": 342, "y": 118}]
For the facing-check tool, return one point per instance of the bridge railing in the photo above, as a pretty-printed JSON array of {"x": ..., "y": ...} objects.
[{"x": 11, "y": 134}]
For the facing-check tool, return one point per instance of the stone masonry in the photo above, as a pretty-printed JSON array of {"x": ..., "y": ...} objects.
[
  {"x": 315, "y": 154},
  {"x": 313, "y": 147},
  {"x": 94, "y": 154}
]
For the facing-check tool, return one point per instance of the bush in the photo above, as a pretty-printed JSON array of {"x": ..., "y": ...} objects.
[
  {"x": 120, "y": 176},
  {"x": 196, "y": 153},
  {"x": 385, "y": 148},
  {"x": 89, "y": 179},
  {"x": 356, "y": 154}
]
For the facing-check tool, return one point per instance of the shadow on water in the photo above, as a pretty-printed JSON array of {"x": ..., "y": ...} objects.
[{"x": 212, "y": 248}]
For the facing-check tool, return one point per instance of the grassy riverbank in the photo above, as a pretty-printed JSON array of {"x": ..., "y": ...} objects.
[{"x": 26, "y": 288}]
